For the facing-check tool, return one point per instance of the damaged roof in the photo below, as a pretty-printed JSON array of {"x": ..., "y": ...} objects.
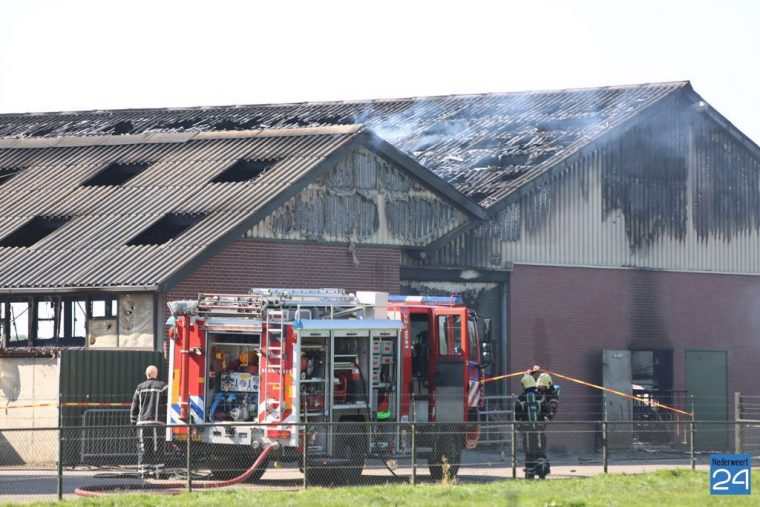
[
  {"x": 486, "y": 145},
  {"x": 131, "y": 211}
]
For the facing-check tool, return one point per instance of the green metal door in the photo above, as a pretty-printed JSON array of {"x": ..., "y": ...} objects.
[{"x": 706, "y": 382}]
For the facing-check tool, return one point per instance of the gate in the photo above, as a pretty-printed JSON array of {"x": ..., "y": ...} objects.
[{"x": 113, "y": 444}]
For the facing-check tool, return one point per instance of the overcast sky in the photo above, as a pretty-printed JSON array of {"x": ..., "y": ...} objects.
[{"x": 60, "y": 55}]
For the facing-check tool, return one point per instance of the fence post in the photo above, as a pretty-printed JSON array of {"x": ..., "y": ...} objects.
[
  {"x": 59, "y": 482},
  {"x": 737, "y": 424},
  {"x": 692, "y": 434},
  {"x": 513, "y": 438},
  {"x": 189, "y": 458},
  {"x": 414, "y": 454},
  {"x": 305, "y": 455},
  {"x": 604, "y": 446},
  {"x": 692, "y": 431},
  {"x": 604, "y": 435}
]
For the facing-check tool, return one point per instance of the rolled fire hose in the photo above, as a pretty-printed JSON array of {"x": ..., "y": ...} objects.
[{"x": 107, "y": 489}]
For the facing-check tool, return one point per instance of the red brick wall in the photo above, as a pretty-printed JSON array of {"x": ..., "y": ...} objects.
[
  {"x": 562, "y": 319},
  {"x": 245, "y": 264}
]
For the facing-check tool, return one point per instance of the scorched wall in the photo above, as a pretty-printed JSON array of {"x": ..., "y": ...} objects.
[{"x": 562, "y": 318}]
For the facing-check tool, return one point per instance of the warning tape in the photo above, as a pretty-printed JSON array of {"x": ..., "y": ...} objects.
[
  {"x": 508, "y": 375},
  {"x": 66, "y": 404},
  {"x": 601, "y": 388}
]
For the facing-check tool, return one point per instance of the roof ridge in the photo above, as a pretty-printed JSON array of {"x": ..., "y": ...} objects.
[
  {"x": 169, "y": 137},
  {"x": 680, "y": 83}
]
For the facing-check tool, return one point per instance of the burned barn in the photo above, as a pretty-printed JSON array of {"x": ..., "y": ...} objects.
[{"x": 610, "y": 233}]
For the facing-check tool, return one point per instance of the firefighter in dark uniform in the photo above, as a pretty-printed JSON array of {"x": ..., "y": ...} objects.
[
  {"x": 532, "y": 410},
  {"x": 149, "y": 408},
  {"x": 549, "y": 392}
]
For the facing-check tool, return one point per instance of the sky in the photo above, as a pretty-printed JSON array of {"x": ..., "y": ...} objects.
[{"x": 63, "y": 55}]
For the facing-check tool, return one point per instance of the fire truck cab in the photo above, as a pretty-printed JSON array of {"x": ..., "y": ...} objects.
[{"x": 249, "y": 370}]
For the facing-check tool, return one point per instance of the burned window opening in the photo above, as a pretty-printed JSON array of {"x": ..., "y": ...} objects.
[
  {"x": 166, "y": 229},
  {"x": 33, "y": 231},
  {"x": 7, "y": 173},
  {"x": 116, "y": 173},
  {"x": 244, "y": 170},
  {"x": 14, "y": 321},
  {"x": 46, "y": 321}
]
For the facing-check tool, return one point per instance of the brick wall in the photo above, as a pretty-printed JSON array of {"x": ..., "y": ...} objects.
[
  {"x": 245, "y": 264},
  {"x": 562, "y": 319}
]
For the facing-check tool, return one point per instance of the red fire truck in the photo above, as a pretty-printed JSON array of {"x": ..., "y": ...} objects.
[{"x": 250, "y": 369}]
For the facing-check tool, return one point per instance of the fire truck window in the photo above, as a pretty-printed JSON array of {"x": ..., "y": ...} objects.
[
  {"x": 456, "y": 335},
  {"x": 443, "y": 337},
  {"x": 472, "y": 340}
]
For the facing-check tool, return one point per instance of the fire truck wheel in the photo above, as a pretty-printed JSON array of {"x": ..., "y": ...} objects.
[
  {"x": 350, "y": 448},
  {"x": 319, "y": 475},
  {"x": 445, "y": 460}
]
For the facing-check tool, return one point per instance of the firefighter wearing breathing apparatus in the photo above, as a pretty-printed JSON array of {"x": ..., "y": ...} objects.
[{"x": 536, "y": 405}]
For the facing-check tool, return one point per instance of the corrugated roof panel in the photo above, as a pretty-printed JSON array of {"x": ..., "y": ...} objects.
[{"x": 91, "y": 250}]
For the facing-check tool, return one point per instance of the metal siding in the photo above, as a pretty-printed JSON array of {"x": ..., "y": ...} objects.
[
  {"x": 711, "y": 225},
  {"x": 101, "y": 376}
]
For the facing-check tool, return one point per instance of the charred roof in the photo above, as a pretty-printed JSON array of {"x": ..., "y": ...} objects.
[
  {"x": 168, "y": 200},
  {"x": 486, "y": 145}
]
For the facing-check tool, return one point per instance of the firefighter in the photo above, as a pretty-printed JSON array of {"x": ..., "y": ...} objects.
[
  {"x": 550, "y": 391},
  {"x": 532, "y": 408},
  {"x": 148, "y": 408}
]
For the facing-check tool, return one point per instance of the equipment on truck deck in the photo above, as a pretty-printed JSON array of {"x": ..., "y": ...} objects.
[{"x": 261, "y": 363}]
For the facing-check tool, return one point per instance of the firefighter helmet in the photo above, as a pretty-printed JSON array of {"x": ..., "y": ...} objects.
[
  {"x": 544, "y": 380},
  {"x": 528, "y": 381}
]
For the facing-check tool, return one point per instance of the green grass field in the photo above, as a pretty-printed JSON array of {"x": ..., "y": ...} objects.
[{"x": 660, "y": 489}]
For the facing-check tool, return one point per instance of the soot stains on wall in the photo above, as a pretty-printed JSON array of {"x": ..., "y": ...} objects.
[{"x": 366, "y": 199}]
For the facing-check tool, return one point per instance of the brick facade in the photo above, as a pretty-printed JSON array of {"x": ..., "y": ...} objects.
[
  {"x": 562, "y": 319},
  {"x": 245, "y": 264}
]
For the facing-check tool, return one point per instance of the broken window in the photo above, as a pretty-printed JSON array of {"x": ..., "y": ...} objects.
[
  {"x": 243, "y": 170},
  {"x": 16, "y": 323},
  {"x": 167, "y": 228},
  {"x": 104, "y": 307},
  {"x": 116, "y": 173},
  {"x": 33, "y": 231},
  {"x": 48, "y": 321},
  {"x": 7, "y": 173},
  {"x": 51, "y": 321}
]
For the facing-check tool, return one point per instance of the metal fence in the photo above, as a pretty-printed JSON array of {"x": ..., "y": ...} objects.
[{"x": 102, "y": 459}]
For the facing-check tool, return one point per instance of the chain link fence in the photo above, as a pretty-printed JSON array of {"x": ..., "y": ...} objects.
[{"x": 102, "y": 457}]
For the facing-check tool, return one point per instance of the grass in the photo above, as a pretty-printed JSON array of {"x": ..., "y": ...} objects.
[{"x": 662, "y": 489}]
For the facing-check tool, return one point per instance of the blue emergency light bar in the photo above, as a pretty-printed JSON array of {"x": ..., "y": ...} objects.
[{"x": 440, "y": 300}]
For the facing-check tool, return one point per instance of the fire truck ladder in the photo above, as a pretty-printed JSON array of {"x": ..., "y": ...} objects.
[{"x": 274, "y": 348}]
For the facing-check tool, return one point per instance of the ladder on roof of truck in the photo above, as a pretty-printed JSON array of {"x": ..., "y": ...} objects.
[
  {"x": 237, "y": 305},
  {"x": 274, "y": 347}
]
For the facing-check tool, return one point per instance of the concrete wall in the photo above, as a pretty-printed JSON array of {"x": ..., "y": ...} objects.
[{"x": 28, "y": 381}]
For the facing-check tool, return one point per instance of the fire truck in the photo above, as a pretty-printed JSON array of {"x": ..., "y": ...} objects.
[{"x": 252, "y": 370}]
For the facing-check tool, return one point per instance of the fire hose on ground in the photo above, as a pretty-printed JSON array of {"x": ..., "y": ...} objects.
[{"x": 175, "y": 487}]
